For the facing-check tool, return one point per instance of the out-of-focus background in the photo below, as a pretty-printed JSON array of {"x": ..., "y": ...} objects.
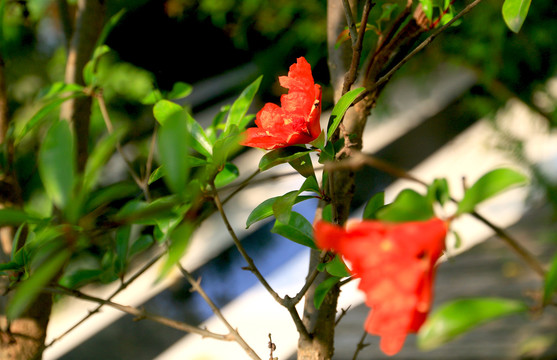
[{"x": 478, "y": 97}]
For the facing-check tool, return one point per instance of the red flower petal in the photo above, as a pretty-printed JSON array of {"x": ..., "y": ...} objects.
[
  {"x": 396, "y": 265},
  {"x": 296, "y": 121}
]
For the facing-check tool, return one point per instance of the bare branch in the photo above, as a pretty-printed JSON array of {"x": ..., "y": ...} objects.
[
  {"x": 196, "y": 286},
  {"x": 350, "y": 21},
  {"x": 360, "y": 346}
]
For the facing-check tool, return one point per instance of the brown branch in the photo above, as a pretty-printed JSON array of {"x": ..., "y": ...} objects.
[
  {"x": 196, "y": 286},
  {"x": 360, "y": 346},
  {"x": 350, "y": 21},
  {"x": 141, "y": 314},
  {"x": 357, "y": 45}
]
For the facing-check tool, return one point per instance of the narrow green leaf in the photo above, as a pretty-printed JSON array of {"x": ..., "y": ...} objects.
[
  {"x": 122, "y": 239},
  {"x": 340, "y": 109},
  {"x": 61, "y": 87},
  {"x": 489, "y": 185},
  {"x": 438, "y": 191},
  {"x": 281, "y": 156},
  {"x": 323, "y": 289},
  {"x": 179, "y": 240},
  {"x": 57, "y": 163},
  {"x": 173, "y": 141},
  {"x": 101, "y": 153},
  {"x": 241, "y": 105},
  {"x": 515, "y": 12},
  {"x": 110, "y": 24},
  {"x": 408, "y": 206},
  {"x": 550, "y": 282},
  {"x": 29, "y": 289},
  {"x": 376, "y": 202},
  {"x": 200, "y": 141},
  {"x": 110, "y": 193},
  {"x": 80, "y": 277},
  {"x": 164, "y": 109},
  {"x": 39, "y": 116},
  {"x": 459, "y": 316},
  {"x": 15, "y": 217},
  {"x": 142, "y": 243},
  {"x": 310, "y": 184},
  {"x": 298, "y": 229}
]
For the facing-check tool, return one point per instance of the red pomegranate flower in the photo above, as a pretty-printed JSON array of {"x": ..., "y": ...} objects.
[
  {"x": 396, "y": 264},
  {"x": 296, "y": 121}
]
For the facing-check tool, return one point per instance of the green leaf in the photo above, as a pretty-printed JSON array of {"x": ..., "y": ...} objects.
[
  {"x": 140, "y": 212},
  {"x": 29, "y": 289},
  {"x": 265, "y": 209},
  {"x": 408, "y": 206},
  {"x": 61, "y": 87},
  {"x": 438, "y": 191},
  {"x": 489, "y": 185},
  {"x": 459, "y": 316},
  {"x": 340, "y": 109},
  {"x": 550, "y": 281},
  {"x": 164, "y": 109},
  {"x": 515, "y": 12},
  {"x": 122, "y": 244},
  {"x": 298, "y": 229},
  {"x": 376, "y": 202},
  {"x": 15, "y": 217},
  {"x": 173, "y": 141},
  {"x": 323, "y": 289},
  {"x": 142, "y": 243},
  {"x": 110, "y": 24},
  {"x": 57, "y": 163},
  {"x": 110, "y": 193},
  {"x": 80, "y": 277},
  {"x": 201, "y": 142},
  {"x": 225, "y": 147},
  {"x": 228, "y": 174},
  {"x": 281, "y": 156},
  {"x": 241, "y": 105},
  {"x": 427, "y": 7},
  {"x": 179, "y": 91},
  {"x": 282, "y": 208},
  {"x": 179, "y": 240},
  {"x": 39, "y": 116}
]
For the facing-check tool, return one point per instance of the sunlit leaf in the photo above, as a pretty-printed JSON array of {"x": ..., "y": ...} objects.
[
  {"x": 142, "y": 243},
  {"x": 122, "y": 239},
  {"x": 179, "y": 240},
  {"x": 164, "y": 109},
  {"x": 408, "y": 206},
  {"x": 179, "y": 90},
  {"x": 241, "y": 105},
  {"x": 438, "y": 191},
  {"x": 57, "y": 163},
  {"x": 303, "y": 165},
  {"x": 173, "y": 140},
  {"x": 336, "y": 267},
  {"x": 459, "y": 316},
  {"x": 515, "y": 12},
  {"x": 340, "y": 109},
  {"x": 15, "y": 217},
  {"x": 489, "y": 185}
]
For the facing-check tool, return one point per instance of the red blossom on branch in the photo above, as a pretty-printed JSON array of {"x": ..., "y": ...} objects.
[
  {"x": 396, "y": 265},
  {"x": 296, "y": 121}
]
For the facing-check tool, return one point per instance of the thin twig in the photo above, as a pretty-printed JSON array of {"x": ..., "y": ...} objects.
[
  {"x": 245, "y": 183},
  {"x": 360, "y": 159},
  {"x": 122, "y": 286},
  {"x": 360, "y": 346},
  {"x": 357, "y": 45},
  {"x": 196, "y": 286},
  {"x": 416, "y": 50},
  {"x": 240, "y": 247},
  {"x": 109, "y": 127},
  {"x": 142, "y": 314},
  {"x": 350, "y": 21}
]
